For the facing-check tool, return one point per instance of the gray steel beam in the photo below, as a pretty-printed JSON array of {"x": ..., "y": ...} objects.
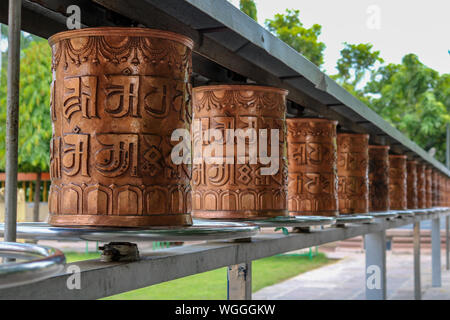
[
  {"x": 417, "y": 276},
  {"x": 99, "y": 279},
  {"x": 12, "y": 119},
  {"x": 435, "y": 253}
]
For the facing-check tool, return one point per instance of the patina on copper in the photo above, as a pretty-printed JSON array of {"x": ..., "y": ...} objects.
[
  {"x": 312, "y": 178},
  {"x": 241, "y": 189},
  {"x": 378, "y": 178},
  {"x": 353, "y": 168},
  {"x": 117, "y": 96},
  {"x": 428, "y": 187},
  {"x": 411, "y": 184},
  {"x": 397, "y": 182},
  {"x": 421, "y": 187}
]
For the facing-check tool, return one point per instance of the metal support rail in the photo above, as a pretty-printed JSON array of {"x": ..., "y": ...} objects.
[{"x": 99, "y": 279}]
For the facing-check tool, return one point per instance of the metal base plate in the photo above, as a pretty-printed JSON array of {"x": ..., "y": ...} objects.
[
  {"x": 199, "y": 231},
  {"x": 353, "y": 218},
  {"x": 384, "y": 214},
  {"x": 294, "y": 221},
  {"x": 405, "y": 213}
]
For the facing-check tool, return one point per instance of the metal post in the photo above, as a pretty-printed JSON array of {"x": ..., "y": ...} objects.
[
  {"x": 436, "y": 253},
  {"x": 417, "y": 280},
  {"x": 375, "y": 265},
  {"x": 12, "y": 119},
  {"x": 239, "y": 278}
]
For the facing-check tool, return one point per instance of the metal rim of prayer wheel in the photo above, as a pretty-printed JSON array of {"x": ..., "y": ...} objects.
[
  {"x": 378, "y": 178},
  {"x": 397, "y": 182},
  {"x": 117, "y": 95},
  {"x": 312, "y": 167},
  {"x": 238, "y": 190},
  {"x": 353, "y": 172}
]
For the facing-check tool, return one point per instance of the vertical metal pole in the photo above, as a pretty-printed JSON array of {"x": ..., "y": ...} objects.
[
  {"x": 435, "y": 253},
  {"x": 239, "y": 278},
  {"x": 417, "y": 280},
  {"x": 12, "y": 118},
  {"x": 375, "y": 265}
]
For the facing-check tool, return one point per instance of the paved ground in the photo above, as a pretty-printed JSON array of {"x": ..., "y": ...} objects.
[{"x": 345, "y": 280}]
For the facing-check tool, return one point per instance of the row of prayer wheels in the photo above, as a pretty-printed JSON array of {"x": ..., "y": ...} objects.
[{"x": 120, "y": 94}]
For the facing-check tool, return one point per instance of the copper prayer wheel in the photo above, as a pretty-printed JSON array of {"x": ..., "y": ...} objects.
[
  {"x": 397, "y": 182},
  {"x": 434, "y": 188},
  {"x": 352, "y": 169},
  {"x": 312, "y": 178},
  {"x": 117, "y": 96},
  {"x": 239, "y": 187},
  {"x": 421, "y": 187},
  {"x": 411, "y": 184},
  {"x": 378, "y": 178},
  {"x": 428, "y": 187}
]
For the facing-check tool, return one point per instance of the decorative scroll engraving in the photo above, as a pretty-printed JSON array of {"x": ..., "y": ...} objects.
[
  {"x": 119, "y": 154},
  {"x": 397, "y": 182},
  {"x": 312, "y": 179},
  {"x": 122, "y": 96},
  {"x": 379, "y": 178},
  {"x": 428, "y": 187},
  {"x": 75, "y": 153},
  {"x": 237, "y": 190},
  {"x": 352, "y": 168},
  {"x": 421, "y": 187},
  {"x": 80, "y": 95},
  {"x": 411, "y": 181},
  {"x": 117, "y": 96}
]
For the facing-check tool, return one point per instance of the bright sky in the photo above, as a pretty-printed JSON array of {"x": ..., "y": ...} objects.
[{"x": 395, "y": 27}]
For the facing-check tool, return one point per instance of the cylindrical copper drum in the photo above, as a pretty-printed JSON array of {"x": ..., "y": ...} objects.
[
  {"x": 243, "y": 186},
  {"x": 421, "y": 187},
  {"x": 434, "y": 188},
  {"x": 397, "y": 182},
  {"x": 312, "y": 178},
  {"x": 117, "y": 96},
  {"x": 353, "y": 169},
  {"x": 378, "y": 178},
  {"x": 428, "y": 187},
  {"x": 411, "y": 184}
]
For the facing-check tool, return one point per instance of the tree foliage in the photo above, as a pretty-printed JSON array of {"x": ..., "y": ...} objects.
[
  {"x": 290, "y": 29},
  {"x": 249, "y": 8},
  {"x": 34, "y": 123}
]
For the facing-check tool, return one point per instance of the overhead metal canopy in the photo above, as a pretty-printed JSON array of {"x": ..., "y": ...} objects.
[{"x": 230, "y": 47}]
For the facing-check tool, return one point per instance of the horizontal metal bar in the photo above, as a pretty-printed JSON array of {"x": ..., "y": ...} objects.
[{"x": 99, "y": 279}]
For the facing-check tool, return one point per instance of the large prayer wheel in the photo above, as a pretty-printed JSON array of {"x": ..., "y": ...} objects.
[
  {"x": 397, "y": 182},
  {"x": 378, "y": 178},
  {"x": 411, "y": 184},
  {"x": 312, "y": 178},
  {"x": 352, "y": 168},
  {"x": 428, "y": 187},
  {"x": 117, "y": 96},
  {"x": 421, "y": 186},
  {"x": 230, "y": 178}
]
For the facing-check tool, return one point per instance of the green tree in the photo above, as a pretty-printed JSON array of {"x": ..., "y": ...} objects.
[
  {"x": 355, "y": 61},
  {"x": 249, "y": 8},
  {"x": 34, "y": 124},
  {"x": 290, "y": 29},
  {"x": 414, "y": 98}
]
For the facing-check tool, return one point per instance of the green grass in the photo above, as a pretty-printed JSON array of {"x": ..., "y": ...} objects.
[{"x": 213, "y": 284}]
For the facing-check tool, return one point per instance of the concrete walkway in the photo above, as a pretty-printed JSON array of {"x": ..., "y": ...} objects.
[{"x": 345, "y": 280}]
